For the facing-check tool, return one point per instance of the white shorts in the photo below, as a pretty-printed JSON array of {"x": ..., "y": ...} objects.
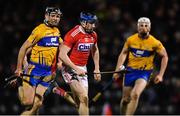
[{"x": 67, "y": 74}]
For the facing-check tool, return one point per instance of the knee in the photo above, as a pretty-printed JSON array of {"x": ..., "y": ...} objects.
[
  {"x": 125, "y": 100},
  {"x": 26, "y": 102},
  {"x": 38, "y": 104},
  {"x": 135, "y": 96},
  {"x": 83, "y": 99}
]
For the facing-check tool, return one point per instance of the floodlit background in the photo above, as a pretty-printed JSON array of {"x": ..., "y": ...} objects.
[{"x": 117, "y": 21}]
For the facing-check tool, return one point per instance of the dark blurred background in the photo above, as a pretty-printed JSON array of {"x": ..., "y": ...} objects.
[{"x": 117, "y": 21}]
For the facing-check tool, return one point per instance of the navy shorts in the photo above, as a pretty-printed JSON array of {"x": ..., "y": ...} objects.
[
  {"x": 135, "y": 74},
  {"x": 38, "y": 72}
]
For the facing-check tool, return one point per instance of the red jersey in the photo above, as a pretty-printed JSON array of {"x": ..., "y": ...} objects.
[{"x": 80, "y": 44}]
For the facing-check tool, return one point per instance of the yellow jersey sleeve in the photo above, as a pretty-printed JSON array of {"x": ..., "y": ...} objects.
[
  {"x": 126, "y": 44},
  {"x": 35, "y": 35},
  {"x": 159, "y": 46}
]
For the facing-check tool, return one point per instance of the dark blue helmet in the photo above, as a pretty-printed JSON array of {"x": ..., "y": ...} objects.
[
  {"x": 88, "y": 17},
  {"x": 50, "y": 10}
]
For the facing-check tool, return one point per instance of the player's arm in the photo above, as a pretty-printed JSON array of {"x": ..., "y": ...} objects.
[
  {"x": 31, "y": 41},
  {"x": 22, "y": 52},
  {"x": 121, "y": 60},
  {"x": 14, "y": 82},
  {"x": 63, "y": 55},
  {"x": 25, "y": 62},
  {"x": 164, "y": 62},
  {"x": 59, "y": 64},
  {"x": 95, "y": 56}
]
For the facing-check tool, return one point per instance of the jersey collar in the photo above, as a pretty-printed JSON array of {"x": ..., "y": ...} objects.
[{"x": 81, "y": 29}]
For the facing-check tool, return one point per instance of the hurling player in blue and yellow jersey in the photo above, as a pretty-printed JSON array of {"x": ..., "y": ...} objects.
[
  {"x": 43, "y": 42},
  {"x": 139, "y": 49}
]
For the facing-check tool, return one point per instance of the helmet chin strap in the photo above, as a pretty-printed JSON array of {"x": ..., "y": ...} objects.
[{"x": 48, "y": 24}]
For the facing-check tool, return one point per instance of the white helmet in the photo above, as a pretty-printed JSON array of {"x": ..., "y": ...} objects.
[{"x": 144, "y": 20}]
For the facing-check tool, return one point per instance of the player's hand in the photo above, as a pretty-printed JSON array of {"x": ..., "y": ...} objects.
[
  {"x": 115, "y": 76},
  {"x": 97, "y": 77},
  {"x": 80, "y": 72},
  {"x": 158, "y": 79},
  {"x": 13, "y": 83},
  {"x": 18, "y": 72}
]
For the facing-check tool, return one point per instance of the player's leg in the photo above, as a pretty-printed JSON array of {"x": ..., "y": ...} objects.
[
  {"x": 61, "y": 92},
  {"x": 26, "y": 94},
  {"x": 81, "y": 92},
  {"x": 138, "y": 88},
  {"x": 38, "y": 100},
  {"x": 78, "y": 87},
  {"x": 40, "y": 88},
  {"x": 49, "y": 89},
  {"x": 125, "y": 99},
  {"x": 76, "y": 99},
  {"x": 54, "y": 87}
]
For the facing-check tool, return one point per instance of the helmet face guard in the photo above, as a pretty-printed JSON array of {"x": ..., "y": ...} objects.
[
  {"x": 50, "y": 10},
  {"x": 88, "y": 18},
  {"x": 144, "y": 30},
  {"x": 144, "y": 20}
]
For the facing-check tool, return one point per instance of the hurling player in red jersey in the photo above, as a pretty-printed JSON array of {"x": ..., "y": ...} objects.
[{"x": 74, "y": 52}]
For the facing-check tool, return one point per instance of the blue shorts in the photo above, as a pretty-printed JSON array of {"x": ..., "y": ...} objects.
[
  {"x": 135, "y": 74},
  {"x": 38, "y": 72},
  {"x": 35, "y": 82}
]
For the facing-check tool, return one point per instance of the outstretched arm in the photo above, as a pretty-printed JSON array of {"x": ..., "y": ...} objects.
[
  {"x": 121, "y": 60},
  {"x": 164, "y": 62},
  {"x": 22, "y": 52}
]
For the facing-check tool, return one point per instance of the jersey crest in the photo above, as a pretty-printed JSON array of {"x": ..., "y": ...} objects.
[{"x": 85, "y": 46}]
